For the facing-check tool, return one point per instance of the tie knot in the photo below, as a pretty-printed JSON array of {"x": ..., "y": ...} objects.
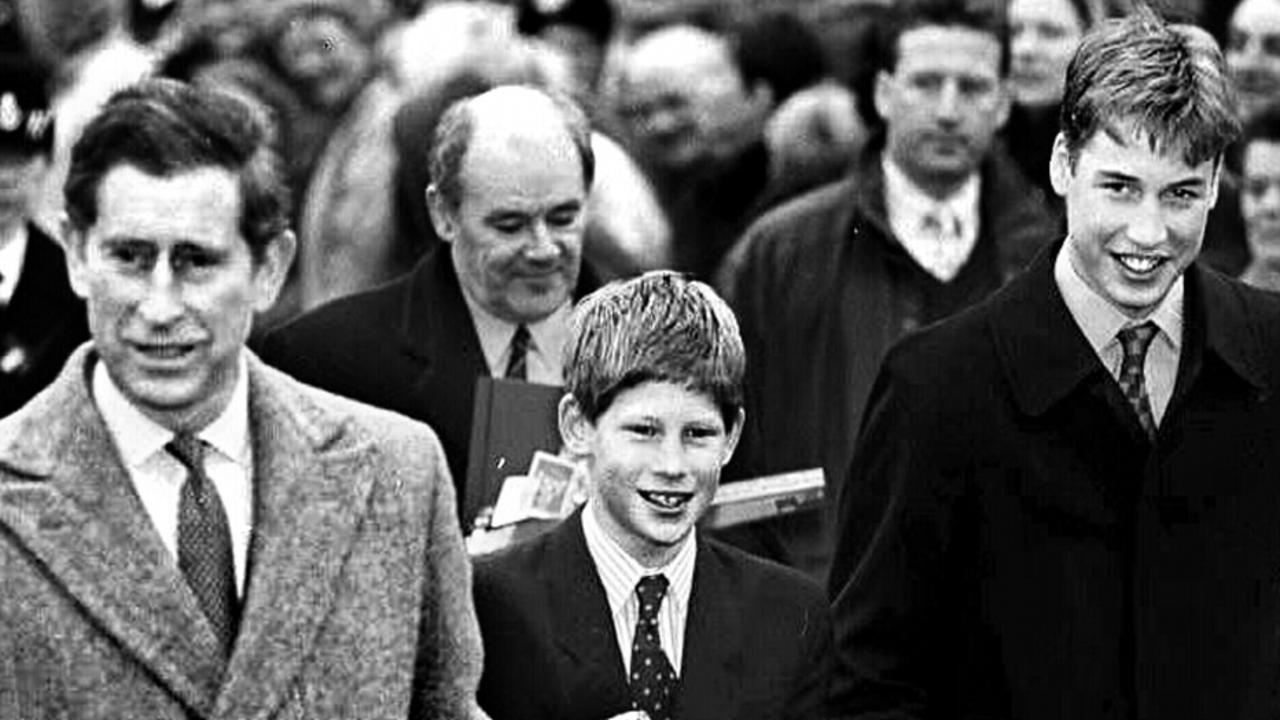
[
  {"x": 941, "y": 222},
  {"x": 520, "y": 341},
  {"x": 188, "y": 449},
  {"x": 1135, "y": 340},
  {"x": 651, "y": 590}
]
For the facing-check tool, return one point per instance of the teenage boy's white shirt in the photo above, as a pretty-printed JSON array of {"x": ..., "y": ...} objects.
[
  {"x": 158, "y": 476},
  {"x": 1099, "y": 320},
  {"x": 619, "y": 574}
]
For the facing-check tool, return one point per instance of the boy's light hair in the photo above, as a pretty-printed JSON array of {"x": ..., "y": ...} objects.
[
  {"x": 662, "y": 327},
  {"x": 1140, "y": 75}
]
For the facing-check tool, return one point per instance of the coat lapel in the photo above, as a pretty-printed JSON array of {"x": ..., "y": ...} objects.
[
  {"x": 312, "y": 484},
  {"x": 1043, "y": 352},
  {"x": 73, "y": 507},
  {"x": 711, "y": 677},
  {"x": 593, "y": 671}
]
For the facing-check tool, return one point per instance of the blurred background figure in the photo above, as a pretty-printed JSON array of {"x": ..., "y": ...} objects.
[
  {"x": 41, "y": 320},
  {"x": 1253, "y": 53},
  {"x": 1043, "y": 37},
  {"x": 1260, "y": 196},
  {"x": 578, "y": 30},
  {"x": 931, "y": 219},
  {"x": 91, "y": 54},
  {"x": 693, "y": 104},
  {"x": 813, "y": 130}
]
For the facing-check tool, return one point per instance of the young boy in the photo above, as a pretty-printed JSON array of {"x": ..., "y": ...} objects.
[{"x": 626, "y": 606}]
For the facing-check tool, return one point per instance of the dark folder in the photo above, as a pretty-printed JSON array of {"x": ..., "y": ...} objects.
[{"x": 512, "y": 419}]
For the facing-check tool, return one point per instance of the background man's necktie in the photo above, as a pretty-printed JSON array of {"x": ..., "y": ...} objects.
[
  {"x": 653, "y": 680},
  {"x": 1135, "y": 341},
  {"x": 204, "y": 542},
  {"x": 519, "y": 355}
]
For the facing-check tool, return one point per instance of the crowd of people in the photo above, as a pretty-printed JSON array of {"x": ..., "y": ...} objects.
[{"x": 1006, "y": 271}]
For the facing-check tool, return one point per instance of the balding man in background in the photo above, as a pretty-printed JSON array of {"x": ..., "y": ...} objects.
[
  {"x": 511, "y": 171},
  {"x": 695, "y": 124}
]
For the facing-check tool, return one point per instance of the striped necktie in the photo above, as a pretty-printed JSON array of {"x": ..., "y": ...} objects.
[{"x": 517, "y": 364}]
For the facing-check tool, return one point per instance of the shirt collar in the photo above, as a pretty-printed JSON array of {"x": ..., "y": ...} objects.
[
  {"x": 1099, "y": 320},
  {"x": 138, "y": 437},
  {"x": 13, "y": 253},
  {"x": 620, "y": 587},
  {"x": 905, "y": 199},
  {"x": 548, "y": 335}
]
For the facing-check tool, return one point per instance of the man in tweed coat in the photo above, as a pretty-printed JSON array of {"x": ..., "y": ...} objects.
[{"x": 185, "y": 532}]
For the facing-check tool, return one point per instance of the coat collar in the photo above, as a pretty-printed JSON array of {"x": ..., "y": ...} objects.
[
  {"x": 581, "y": 623},
  {"x": 433, "y": 307},
  {"x": 68, "y": 500},
  {"x": 711, "y": 684},
  {"x": 1045, "y": 356},
  {"x": 1016, "y": 223}
]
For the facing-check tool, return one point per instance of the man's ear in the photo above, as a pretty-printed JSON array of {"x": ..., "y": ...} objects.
[
  {"x": 880, "y": 96},
  {"x": 73, "y": 242},
  {"x": 1214, "y": 183},
  {"x": 272, "y": 268},
  {"x": 1060, "y": 169},
  {"x": 735, "y": 434},
  {"x": 442, "y": 214},
  {"x": 1004, "y": 100},
  {"x": 576, "y": 430}
]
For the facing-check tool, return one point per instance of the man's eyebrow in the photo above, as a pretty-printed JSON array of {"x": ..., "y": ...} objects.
[
  {"x": 1189, "y": 182},
  {"x": 1105, "y": 174}
]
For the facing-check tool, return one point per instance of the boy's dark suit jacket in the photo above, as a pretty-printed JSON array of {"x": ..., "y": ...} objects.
[
  {"x": 1013, "y": 547},
  {"x": 757, "y": 639}
]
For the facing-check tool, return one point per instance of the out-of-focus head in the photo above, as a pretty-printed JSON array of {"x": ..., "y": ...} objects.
[
  {"x": 941, "y": 90},
  {"x": 26, "y": 136},
  {"x": 1253, "y": 53},
  {"x": 780, "y": 50},
  {"x": 1147, "y": 112},
  {"x": 683, "y": 99},
  {"x": 176, "y": 235},
  {"x": 511, "y": 169},
  {"x": 653, "y": 404},
  {"x": 1260, "y": 184},
  {"x": 579, "y": 29},
  {"x": 325, "y": 47},
  {"x": 1043, "y": 36}
]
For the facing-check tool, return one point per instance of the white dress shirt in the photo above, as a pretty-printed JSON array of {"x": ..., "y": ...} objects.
[
  {"x": 13, "y": 253},
  {"x": 158, "y": 476},
  {"x": 942, "y": 251},
  {"x": 544, "y": 361},
  {"x": 619, "y": 573},
  {"x": 1100, "y": 321}
]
